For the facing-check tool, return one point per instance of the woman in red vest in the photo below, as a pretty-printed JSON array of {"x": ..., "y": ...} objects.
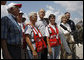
[
  {"x": 54, "y": 38},
  {"x": 35, "y": 42}
]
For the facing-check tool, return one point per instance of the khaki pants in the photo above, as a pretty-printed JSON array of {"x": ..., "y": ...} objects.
[
  {"x": 63, "y": 53},
  {"x": 73, "y": 49}
]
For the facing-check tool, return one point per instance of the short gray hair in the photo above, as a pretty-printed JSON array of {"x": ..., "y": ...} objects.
[
  {"x": 31, "y": 14},
  {"x": 41, "y": 10}
]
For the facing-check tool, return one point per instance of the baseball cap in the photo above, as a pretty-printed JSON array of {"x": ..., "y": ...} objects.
[{"x": 14, "y": 4}]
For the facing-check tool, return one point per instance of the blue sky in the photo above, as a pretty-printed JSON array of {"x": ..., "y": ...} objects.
[{"x": 56, "y": 7}]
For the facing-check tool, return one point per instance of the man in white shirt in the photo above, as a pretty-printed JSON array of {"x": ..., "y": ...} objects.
[{"x": 41, "y": 25}]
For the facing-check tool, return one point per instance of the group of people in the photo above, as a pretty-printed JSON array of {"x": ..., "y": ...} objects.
[{"x": 38, "y": 39}]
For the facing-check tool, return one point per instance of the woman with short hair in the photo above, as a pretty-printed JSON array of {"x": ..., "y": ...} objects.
[
  {"x": 54, "y": 39},
  {"x": 34, "y": 38}
]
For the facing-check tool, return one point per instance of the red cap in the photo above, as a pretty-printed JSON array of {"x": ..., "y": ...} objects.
[
  {"x": 14, "y": 4},
  {"x": 19, "y": 5}
]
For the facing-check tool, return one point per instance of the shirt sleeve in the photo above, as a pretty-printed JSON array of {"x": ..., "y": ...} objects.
[
  {"x": 28, "y": 30},
  {"x": 4, "y": 28},
  {"x": 46, "y": 32},
  {"x": 63, "y": 40},
  {"x": 61, "y": 34}
]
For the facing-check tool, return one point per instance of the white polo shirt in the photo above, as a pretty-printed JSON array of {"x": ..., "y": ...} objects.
[{"x": 41, "y": 25}]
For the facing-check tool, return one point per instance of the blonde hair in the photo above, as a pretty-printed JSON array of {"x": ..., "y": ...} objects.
[{"x": 63, "y": 17}]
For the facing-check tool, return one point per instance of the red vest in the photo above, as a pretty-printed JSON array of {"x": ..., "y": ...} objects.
[
  {"x": 54, "y": 38},
  {"x": 40, "y": 43}
]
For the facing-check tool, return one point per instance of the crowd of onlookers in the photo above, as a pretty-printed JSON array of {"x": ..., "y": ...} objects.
[{"x": 37, "y": 39}]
